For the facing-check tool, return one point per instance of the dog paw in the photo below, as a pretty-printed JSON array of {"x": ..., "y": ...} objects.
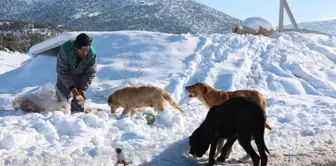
[
  {"x": 211, "y": 162},
  {"x": 122, "y": 116},
  {"x": 221, "y": 159},
  {"x": 244, "y": 158}
]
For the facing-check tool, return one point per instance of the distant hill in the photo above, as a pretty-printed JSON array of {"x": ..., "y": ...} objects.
[
  {"x": 170, "y": 16},
  {"x": 326, "y": 27},
  {"x": 20, "y": 36}
]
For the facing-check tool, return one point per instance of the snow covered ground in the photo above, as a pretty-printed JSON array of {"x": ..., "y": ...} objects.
[
  {"x": 296, "y": 73},
  {"x": 10, "y": 61}
]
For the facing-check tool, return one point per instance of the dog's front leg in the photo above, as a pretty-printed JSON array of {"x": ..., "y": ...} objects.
[
  {"x": 227, "y": 147},
  {"x": 212, "y": 152},
  {"x": 220, "y": 145},
  {"x": 126, "y": 111},
  {"x": 113, "y": 109},
  {"x": 133, "y": 111}
]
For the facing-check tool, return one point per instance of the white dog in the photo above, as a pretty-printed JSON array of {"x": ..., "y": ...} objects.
[{"x": 45, "y": 99}]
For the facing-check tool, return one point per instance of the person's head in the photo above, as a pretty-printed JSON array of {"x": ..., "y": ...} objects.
[{"x": 82, "y": 44}]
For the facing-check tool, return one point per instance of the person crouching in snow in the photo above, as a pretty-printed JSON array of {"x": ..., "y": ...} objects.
[{"x": 76, "y": 68}]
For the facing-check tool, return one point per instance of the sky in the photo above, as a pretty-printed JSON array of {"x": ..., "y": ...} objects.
[{"x": 303, "y": 10}]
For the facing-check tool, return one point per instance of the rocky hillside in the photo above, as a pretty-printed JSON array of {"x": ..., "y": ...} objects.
[
  {"x": 178, "y": 16},
  {"x": 20, "y": 36}
]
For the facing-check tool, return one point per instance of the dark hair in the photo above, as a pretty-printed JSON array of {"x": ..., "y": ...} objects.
[{"x": 82, "y": 40}]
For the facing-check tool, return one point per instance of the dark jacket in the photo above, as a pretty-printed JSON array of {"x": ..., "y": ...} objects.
[{"x": 72, "y": 70}]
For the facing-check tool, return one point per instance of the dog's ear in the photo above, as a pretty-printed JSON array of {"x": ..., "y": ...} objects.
[
  {"x": 206, "y": 89},
  {"x": 109, "y": 99}
]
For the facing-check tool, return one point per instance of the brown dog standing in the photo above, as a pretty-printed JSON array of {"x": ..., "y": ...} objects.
[
  {"x": 133, "y": 97},
  {"x": 210, "y": 96}
]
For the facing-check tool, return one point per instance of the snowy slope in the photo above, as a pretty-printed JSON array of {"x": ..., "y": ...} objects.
[
  {"x": 326, "y": 26},
  {"x": 10, "y": 60},
  {"x": 296, "y": 73}
]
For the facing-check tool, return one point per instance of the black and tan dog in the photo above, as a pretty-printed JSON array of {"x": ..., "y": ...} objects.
[{"x": 237, "y": 118}]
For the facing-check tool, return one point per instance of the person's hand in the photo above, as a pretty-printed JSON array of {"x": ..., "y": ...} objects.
[
  {"x": 75, "y": 92},
  {"x": 82, "y": 93}
]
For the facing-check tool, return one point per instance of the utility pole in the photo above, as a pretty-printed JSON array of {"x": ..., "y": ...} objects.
[{"x": 284, "y": 5}]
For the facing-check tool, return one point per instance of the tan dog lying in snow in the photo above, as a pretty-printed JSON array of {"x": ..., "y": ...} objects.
[
  {"x": 210, "y": 96},
  {"x": 134, "y": 97}
]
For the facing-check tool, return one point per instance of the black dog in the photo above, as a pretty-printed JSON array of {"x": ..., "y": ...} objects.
[{"x": 237, "y": 118}]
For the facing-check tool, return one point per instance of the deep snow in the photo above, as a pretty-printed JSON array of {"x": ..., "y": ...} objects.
[{"x": 296, "y": 73}]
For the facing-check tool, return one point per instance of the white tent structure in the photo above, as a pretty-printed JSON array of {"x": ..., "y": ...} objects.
[{"x": 51, "y": 45}]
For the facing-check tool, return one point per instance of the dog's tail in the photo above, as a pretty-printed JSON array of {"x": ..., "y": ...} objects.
[
  {"x": 268, "y": 127},
  {"x": 264, "y": 106},
  {"x": 167, "y": 97}
]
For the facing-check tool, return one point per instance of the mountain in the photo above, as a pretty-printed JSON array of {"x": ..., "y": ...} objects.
[
  {"x": 326, "y": 27},
  {"x": 178, "y": 16}
]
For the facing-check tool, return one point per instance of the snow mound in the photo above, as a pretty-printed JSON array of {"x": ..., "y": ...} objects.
[{"x": 256, "y": 22}]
